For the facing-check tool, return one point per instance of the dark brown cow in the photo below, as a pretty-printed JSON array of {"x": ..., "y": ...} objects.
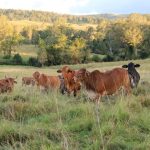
[
  {"x": 7, "y": 85},
  {"x": 98, "y": 83},
  {"x": 70, "y": 84},
  {"x": 47, "y": 82},
  {"x": 28, "y": 81}
]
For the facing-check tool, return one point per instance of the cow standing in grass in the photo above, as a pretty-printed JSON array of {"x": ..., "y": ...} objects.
[
  {"x": 46, "y": 82},
  {"x": 98, "y": 83}
]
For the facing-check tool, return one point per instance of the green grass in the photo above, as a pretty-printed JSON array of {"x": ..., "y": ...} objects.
[{"x": 31, "y": 120}]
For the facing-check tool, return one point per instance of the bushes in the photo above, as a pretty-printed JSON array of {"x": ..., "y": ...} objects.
[
  {"x": 108, "y": 58},
  {"x": 96, "y": 58},
  {"x": 17, "y": 59},
  {"x": 33, "y": 62}
]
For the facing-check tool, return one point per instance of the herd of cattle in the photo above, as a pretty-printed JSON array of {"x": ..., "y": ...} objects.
[{"x": 69, "y": 81}]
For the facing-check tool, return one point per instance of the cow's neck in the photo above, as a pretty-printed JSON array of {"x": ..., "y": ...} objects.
[{"x": 88, "y": 84}]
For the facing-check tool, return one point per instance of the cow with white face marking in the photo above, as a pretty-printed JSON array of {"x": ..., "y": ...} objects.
[{"x": 133, "y": 74}]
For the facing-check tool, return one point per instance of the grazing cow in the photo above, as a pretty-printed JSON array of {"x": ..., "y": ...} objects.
[
  {"x": 133, "y": 74},
  {"x": 7, "y": 85},
  {"x": 28, "y": 81},
  {"x": 47, "y": 82},
  {"x": 70, "y": 84},
  {"x": 98, "y": 83}
]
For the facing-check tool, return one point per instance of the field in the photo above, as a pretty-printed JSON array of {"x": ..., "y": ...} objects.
[{"x": 31, "y": 120}]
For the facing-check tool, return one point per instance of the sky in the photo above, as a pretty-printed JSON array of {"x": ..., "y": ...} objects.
[{"x": 79, "y": 7}]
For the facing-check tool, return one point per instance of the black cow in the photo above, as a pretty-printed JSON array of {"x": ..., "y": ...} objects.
[{"x": 133, "y": 74}]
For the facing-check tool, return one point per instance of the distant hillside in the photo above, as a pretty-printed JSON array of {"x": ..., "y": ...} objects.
[{"x": 51, "y": 17}]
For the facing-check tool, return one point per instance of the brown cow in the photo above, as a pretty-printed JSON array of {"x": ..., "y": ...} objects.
[
  {"x": 98, "y": 83},
  {"x": 70, "y": 84},
  {"x": 28, "y": 81},
  {"x": 7, "y": 85},
  {"x": 47, "y": 82}
]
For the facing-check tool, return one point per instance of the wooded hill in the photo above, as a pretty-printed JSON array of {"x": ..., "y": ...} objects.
[{"x": 52, "y": 17}]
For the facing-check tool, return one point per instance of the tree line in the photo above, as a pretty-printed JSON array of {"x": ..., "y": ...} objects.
[
  {"x": 52, "y": 17},
  {"x": 119, "y": 39}
]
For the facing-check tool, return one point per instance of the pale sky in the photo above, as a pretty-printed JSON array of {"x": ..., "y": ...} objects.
[{"x": 80, "y": 6}]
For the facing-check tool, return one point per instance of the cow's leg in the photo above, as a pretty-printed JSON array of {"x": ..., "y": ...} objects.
[
  {"x": 128, "y": 89},
  {"x": 75, "y": 93},
  {"x": 97, "y": 99}
]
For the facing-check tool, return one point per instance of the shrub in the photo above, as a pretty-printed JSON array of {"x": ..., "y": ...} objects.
[
  {"x": 34, "y": 62},
  {"x": 96, "y": 58},
  {"x": 7, "y": 57},
  {"x": 144, "y": 54},
  {"x": 108, "y": 58},
  {"x": 17, "y": 59}
]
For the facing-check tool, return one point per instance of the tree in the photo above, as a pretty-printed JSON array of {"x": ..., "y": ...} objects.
[
  {"x": 133, "y": 36},
  {"x": 9, "y": 44},
  {"x": 5, "y": 28},
  {"x": 77, "y": 50},
  {"x": 42, "y": 54}
]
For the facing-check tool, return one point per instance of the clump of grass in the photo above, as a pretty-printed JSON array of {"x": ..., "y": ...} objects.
[
  {"x": 145, "y": 101},
  {"x": 11, "y": 132}
]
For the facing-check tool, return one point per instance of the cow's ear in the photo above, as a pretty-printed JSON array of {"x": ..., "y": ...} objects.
[
  {"x": 125, "y": 66},
  {"x": 137, "y": 65},
  {"x": 59, "y": 71}
]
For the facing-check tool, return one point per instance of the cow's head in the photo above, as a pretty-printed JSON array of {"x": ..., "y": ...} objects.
[
  {"x": 11, "y": 80},
  {"x": 36, "y": 75},
  {"x": 131, "y": 65},
  {"x": 67, "y": 73},
  {"x": 133, "y": 74}
]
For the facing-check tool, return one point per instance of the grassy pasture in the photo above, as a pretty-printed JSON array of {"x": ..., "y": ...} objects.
[{"x": 31, "y": 120}]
